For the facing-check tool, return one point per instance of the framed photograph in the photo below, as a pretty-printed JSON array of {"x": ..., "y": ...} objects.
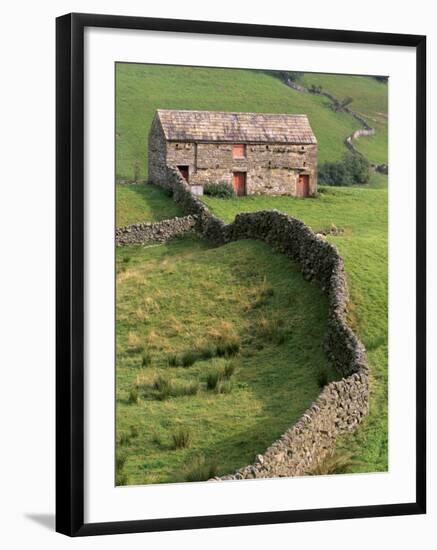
[{"x": 240, "y": 274}]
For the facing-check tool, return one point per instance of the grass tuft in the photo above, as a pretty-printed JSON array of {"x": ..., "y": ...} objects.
[
  {"x": 224, "y": 386},
  {"x": 156, "y": 438},
  {"x": 124, "y": 438},
  {"x": 133, "y": 396},
  {"x": 165, "y": 388},
  {"x": 188, "y": 358},
  {"x": 218, "y": 378},
  {"x": 134, "y": 431},
  {"x": 173, "y": 360},
  {"x": 212, "y": 379},
  {"x": 228, "y": 347},
  {"x": 199, "y": 470},
  {"x": 181, "y": 438},
  {"x": 228, "y": 369},
  {"x": 120, "y": 460},
  {"x": 335, "y": 463}
]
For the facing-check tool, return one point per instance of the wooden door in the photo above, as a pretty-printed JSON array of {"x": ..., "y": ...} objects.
[
  {"x": 239, "y": 182},
  {"x": 303, "y": 185},
  {"x": 184, "y": 170}
]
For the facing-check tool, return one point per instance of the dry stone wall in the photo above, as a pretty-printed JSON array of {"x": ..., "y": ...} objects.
[
  {"x": 343, "y": 404},
  {"x": 163, "y": 231}
]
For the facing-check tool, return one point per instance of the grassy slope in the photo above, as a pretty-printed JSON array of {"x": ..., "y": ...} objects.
[
  {"x": 172, "y": 297},
  {"x": 370, "y": 99},
  {"x": 141, "y": 89},
  {"x": 140, "y": 203},
  {"x": 362, "y": 213}
]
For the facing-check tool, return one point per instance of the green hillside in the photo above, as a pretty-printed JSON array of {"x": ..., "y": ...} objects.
[
  {"x": 141, "y": 89},
  {"x": 370, "y": 100}
]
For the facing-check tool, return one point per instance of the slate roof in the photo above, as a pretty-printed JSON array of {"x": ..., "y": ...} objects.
[{"x": 181, "y": 125}]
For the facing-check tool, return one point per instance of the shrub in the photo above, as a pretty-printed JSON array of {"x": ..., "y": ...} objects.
[
  {"x": 358, "y": 167},
  {"x": 352, "y": 169},
  {"x": 181, "y": 438},
  {"x": 221, "y": 189}
]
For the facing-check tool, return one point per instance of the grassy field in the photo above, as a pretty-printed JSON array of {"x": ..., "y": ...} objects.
[
  {"x": 187, "y": 302},
  {"x": 240, "y": 311},
  {"x": 141, "y": 89},
  {"x": 143, "y": 203},
  {"x": 370, "y": 99},
  {"x": 362, "y": 214}
]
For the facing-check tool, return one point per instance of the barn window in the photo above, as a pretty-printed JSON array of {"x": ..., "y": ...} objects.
[{"x": 239, "y": 151}]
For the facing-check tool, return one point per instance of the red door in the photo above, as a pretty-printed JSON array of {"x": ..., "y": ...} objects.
[
  {"x": 184, "y": 170},
  {"x": 239, "y": 182},
  {"x": 303, "y": 185}
]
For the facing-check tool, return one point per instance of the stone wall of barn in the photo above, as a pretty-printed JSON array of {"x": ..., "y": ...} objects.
[
  {"x": 157, "y": 154},
  {"x": 271, "y": 169}
]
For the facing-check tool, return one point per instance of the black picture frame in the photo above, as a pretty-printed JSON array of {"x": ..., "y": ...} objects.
[{"x": 70, "y": 273}]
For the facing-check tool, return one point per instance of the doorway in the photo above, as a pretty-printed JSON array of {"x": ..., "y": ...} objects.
[
  {"x": 239, "y": 183},
  {"x": 303, "y": 185},
  {"x": 184, "y": 170}
]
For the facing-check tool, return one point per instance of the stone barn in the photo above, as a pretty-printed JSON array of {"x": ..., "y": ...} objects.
[{"x": 257, "y": 153}]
